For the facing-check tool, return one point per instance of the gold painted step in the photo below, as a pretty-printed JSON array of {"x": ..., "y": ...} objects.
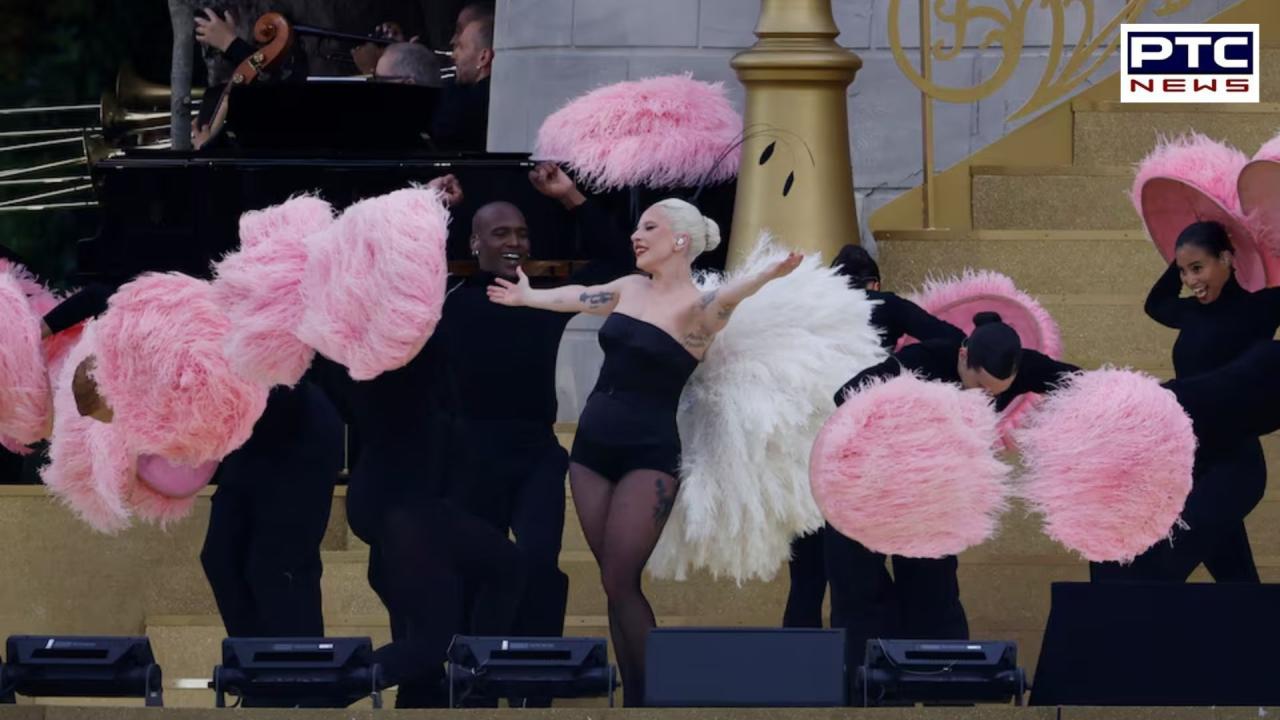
[
  {"x": 1041, "y": 262},
  {"x": 1116, "y": 134},
  {"x": 1053, "y": 198}
]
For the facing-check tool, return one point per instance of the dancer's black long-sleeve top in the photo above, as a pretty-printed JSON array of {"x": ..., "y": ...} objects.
[
  {"x": 897, "y": 316},
  {"x": 87, "y": 302},
  {"x": 403, "y": 420},
  {"x": 939, "y": 360},
  {"x": 1210, "y": 335},
  {"x": 503, "y": 358}
]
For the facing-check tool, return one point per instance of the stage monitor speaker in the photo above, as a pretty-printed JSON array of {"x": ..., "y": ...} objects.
[
  {"x": 904, "y": 672},
  {"x": 492, "y": 668},
  {"x": 745, "y": 667},
  {"x": 298, "y": 672},
  {"x": 75, "y": 666},
  {"x": 1160, "y": 645}
]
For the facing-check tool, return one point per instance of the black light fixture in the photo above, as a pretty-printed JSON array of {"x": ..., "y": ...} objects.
[
  {"x": 492, "y": 668},
  {"x": 73, "y": 666},
  {"x": 904, "y": 672},
  {"x": 297, "y": 672},
  {"x": 745, "y": 667}
]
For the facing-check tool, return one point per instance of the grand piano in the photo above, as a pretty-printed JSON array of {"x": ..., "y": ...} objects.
[{"x": 168, "y": 210}]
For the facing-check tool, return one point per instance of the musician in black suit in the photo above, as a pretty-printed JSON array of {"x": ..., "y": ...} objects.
[{"x": 461, "y": 120}]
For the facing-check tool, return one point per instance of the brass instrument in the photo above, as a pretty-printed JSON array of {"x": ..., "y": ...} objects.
[
  {"x": 135, "y": 93},
  {"x": 118, "y": 120},
  {"x": 129, "y": 115}
]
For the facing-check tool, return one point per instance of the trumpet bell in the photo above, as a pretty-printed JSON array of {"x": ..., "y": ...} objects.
[{"x": 138, "y": 95}]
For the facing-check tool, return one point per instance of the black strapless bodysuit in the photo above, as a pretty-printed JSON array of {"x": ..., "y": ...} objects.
[{"x": 629, "y": 422}]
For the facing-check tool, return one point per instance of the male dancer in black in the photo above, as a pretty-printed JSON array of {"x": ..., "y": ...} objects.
[
  {"x": 922, "y": 599},
  {"x": 268, "y": 518},
  {"x": 894, "y": 316},
  {"x": 425, "y": 552},
  {"x": 511, "y": 466}
]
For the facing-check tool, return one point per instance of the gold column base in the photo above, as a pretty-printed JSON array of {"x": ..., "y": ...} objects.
[{"x": 796, "y": 78}]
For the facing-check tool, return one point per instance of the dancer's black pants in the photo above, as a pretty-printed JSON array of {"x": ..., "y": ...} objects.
[
  {"x": 262, "y": 550},
  {"x": 921, "y": 600},
  {"x": 1228, "y": 482}
]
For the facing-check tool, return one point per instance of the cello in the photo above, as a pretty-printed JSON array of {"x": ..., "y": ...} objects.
[{"x": 275, "y": 37}]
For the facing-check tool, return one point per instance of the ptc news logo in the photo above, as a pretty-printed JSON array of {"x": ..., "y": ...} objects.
[{"x": 1189, "y": 63}]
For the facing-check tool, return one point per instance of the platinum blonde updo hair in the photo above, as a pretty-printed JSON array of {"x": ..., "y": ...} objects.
[{"x": 685, "y": 219}]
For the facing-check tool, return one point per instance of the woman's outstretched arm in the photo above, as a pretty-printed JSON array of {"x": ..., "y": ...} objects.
[
  {"x": 718, "y": 304},
  {"x": 593, "y": 299}
]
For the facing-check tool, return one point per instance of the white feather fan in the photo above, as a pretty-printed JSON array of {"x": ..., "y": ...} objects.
[{"x": 749, "y": 416}]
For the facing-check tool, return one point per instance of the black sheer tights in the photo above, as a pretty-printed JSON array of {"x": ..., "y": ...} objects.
[{"x": 622, "y": 522}]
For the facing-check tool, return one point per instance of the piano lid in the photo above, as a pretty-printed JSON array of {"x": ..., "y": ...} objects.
[{"x": 331, "y": 116}]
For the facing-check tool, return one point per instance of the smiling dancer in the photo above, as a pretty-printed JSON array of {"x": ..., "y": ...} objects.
[
  {"x": 511, "y": 466},
  {"x": 1216, "y": 325}
]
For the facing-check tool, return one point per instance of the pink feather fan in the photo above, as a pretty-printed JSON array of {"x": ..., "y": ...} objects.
[
  {"x": 1108, "y": 461},
  {"x": 259, "y": 288},
  {"x": 374, "y": 284},
  {"x": 1193, "y": 178},
  {"x": 88, "y": 466},
  {"x": 909, "y": 467},
  {"x": 659, "y": 132},
  {"x": 25, "y": 399},
  {"x": 161, "y": 368},
  {"x": 1258, "y": 186}
]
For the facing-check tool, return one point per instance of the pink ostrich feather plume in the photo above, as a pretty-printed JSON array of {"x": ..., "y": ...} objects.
[
  {"x": 161, "y": 368},
  {"x": 958, "y": 299},
  {"x": 259, "y": 288},
  {"x": 1108, "y": 461},
  {"x": 25, "y": 396},
  {"x": 88, "y": 468},
  {"x": 1197, "y": 160},
  {"x": 42, "y": 300},
  {"x": 909, "y": 467},
  {"x": 1193, "y": 178},
  {"x": 1259, "y": 188},
  {"x": 15, "y": 351},
  {"x": 1270, "y": 150},
  {"x": 375, "y": 281},
  {"x": 660, "y": 132}
]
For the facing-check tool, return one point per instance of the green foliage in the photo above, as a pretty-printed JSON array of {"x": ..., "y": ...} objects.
[{"x": 62, "y": 52}]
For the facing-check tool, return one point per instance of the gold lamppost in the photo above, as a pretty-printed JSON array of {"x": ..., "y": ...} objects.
[{"x": 796, "y": 179}]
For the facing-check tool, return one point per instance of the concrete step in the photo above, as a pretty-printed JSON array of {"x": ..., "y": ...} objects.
[
  {"x": 1053, "y": 198},
  {"x": 1109, "y": 329},
  {"x": 51, "y": 558},
  {"x": 1115, "y": 134}
]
